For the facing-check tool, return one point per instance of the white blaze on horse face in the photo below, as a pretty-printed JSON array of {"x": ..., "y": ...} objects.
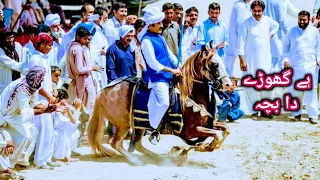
[{"x": 222, "y": 69}]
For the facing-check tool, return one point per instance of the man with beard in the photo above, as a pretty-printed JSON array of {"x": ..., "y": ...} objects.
[
  {"x": 53, "y": 21},
  {"x": 120, "y": 59},
  {"x": 254, "y": 50},
  {"x": 99, "y": 44},
  {"x": 190, "y": 36},
  {"x": 18, "y": 106},
  {"x": 240, "y": 12},
  {"x": 161, "y": 66},
  {"x": 301, "y": 52},
  {"x": 12, "y": 58},
  {"x": 120, "y": 12}
]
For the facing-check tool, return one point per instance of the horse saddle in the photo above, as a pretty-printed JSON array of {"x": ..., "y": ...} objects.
[{"x": 172, "y": 120}]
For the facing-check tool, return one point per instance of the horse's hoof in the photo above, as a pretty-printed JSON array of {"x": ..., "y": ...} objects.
[
  {"x": 132, "y": 146},
  {"x": 137, "y": 162},
  {"x": 183, "y": 156},
  {"x": 174, "y": 149}
]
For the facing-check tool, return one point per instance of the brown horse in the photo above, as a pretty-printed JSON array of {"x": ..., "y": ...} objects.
[{"x": 114, "y": 104}]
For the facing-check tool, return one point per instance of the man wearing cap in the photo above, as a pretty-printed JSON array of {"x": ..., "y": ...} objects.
[
  {"x": 161, "y": 66},
  {"x": 120, "y": 58},
  {"x": 53, "y": 21}
]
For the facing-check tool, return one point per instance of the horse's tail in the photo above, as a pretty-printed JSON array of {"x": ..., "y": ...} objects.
[{"x": 96, "y": 130}]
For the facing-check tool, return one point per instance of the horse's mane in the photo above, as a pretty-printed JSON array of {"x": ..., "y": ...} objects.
[{"x": 190, "y": 73}]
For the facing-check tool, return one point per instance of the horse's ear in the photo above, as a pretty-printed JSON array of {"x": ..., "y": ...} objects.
[{"x": 205, "y": 48}]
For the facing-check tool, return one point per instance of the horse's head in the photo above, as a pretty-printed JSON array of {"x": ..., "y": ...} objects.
[{"x": 199, "y": 68}]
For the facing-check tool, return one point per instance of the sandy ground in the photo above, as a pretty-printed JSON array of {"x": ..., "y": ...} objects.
[{"x": 277, "y": 149}]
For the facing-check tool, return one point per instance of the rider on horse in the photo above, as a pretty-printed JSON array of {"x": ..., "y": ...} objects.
[{"x": 161, "y": 66}]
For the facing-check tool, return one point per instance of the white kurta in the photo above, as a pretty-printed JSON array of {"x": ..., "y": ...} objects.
[
  {"x": 254, "y": 45},
  {"x": 290, "y": 9},
  {"x": 4, "y": 160},
  {"x": 275, "y": 10},
  {"x": 43, "y": 122},
  {"x": 99, "y": 41},
  {"x": 302, "y": 50},
  {"x": 29, "y": 47},
  {"x": 19, "y": 118},
  {"x": 7, "y": 65},
  {"x": 66, "y": 135},
  {"x": 188, "y": 49},
  {"x": 240, "y": 12},
  {"x": 158, "y": 102}
]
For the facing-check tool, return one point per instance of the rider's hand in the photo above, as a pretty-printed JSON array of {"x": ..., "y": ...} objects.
[{"x": 176, "y": 72}]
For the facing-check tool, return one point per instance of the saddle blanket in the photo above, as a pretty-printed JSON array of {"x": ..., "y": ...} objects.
[{"x": 140, "y": 111}]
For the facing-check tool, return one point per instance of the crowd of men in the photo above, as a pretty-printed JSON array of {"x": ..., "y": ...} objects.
[{"x": 48, "y": 87}]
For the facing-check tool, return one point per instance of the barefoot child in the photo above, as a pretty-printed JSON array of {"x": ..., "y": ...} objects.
[{"x": 66, "y": 127}]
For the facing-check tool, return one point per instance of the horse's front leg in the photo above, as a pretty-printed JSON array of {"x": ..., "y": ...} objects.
[
  {"x": 215, "y": 144},
  {"x": 117, "y": 143}
]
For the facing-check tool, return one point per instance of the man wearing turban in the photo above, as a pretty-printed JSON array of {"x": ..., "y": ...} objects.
[
  {"x": 120, "y": 59},
  {"x": 161, "y": 66},
  {"x": 53, "y": 21},
  {"x": 18, "y": 106},
  {"x": 44, "y": 123}
]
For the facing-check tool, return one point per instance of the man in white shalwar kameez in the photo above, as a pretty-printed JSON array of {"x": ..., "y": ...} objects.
[
  {"x": 290, "y": 9},
  {"x": 53, "y": 21},
  {"x": 240, "y": 12},
  {"x": 189, "y": 40},
  {"x": 99, "y": 45},
  {"x": 275, "y": 10},
  {"x": 13, "y": 59},
  {"x": 18, "y": 106},
  {"x": 161, "y": 66},
  {"x": 301, "y": 52},
  {"x": 254, "y": 49},
  {"x": 44, "y": 122}
]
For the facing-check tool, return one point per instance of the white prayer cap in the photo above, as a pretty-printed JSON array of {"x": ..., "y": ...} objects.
[
  {"x": 124, "y": 30},
  {"x": 151, "y": 15},
  {"x": 93, "y": 17},
  {"x": 52, "y": 19}
]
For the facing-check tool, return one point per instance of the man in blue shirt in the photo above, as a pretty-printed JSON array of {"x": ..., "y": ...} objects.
[
  {"x": 121, "y": 58},
  {"x": 214, "y": 32}
]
